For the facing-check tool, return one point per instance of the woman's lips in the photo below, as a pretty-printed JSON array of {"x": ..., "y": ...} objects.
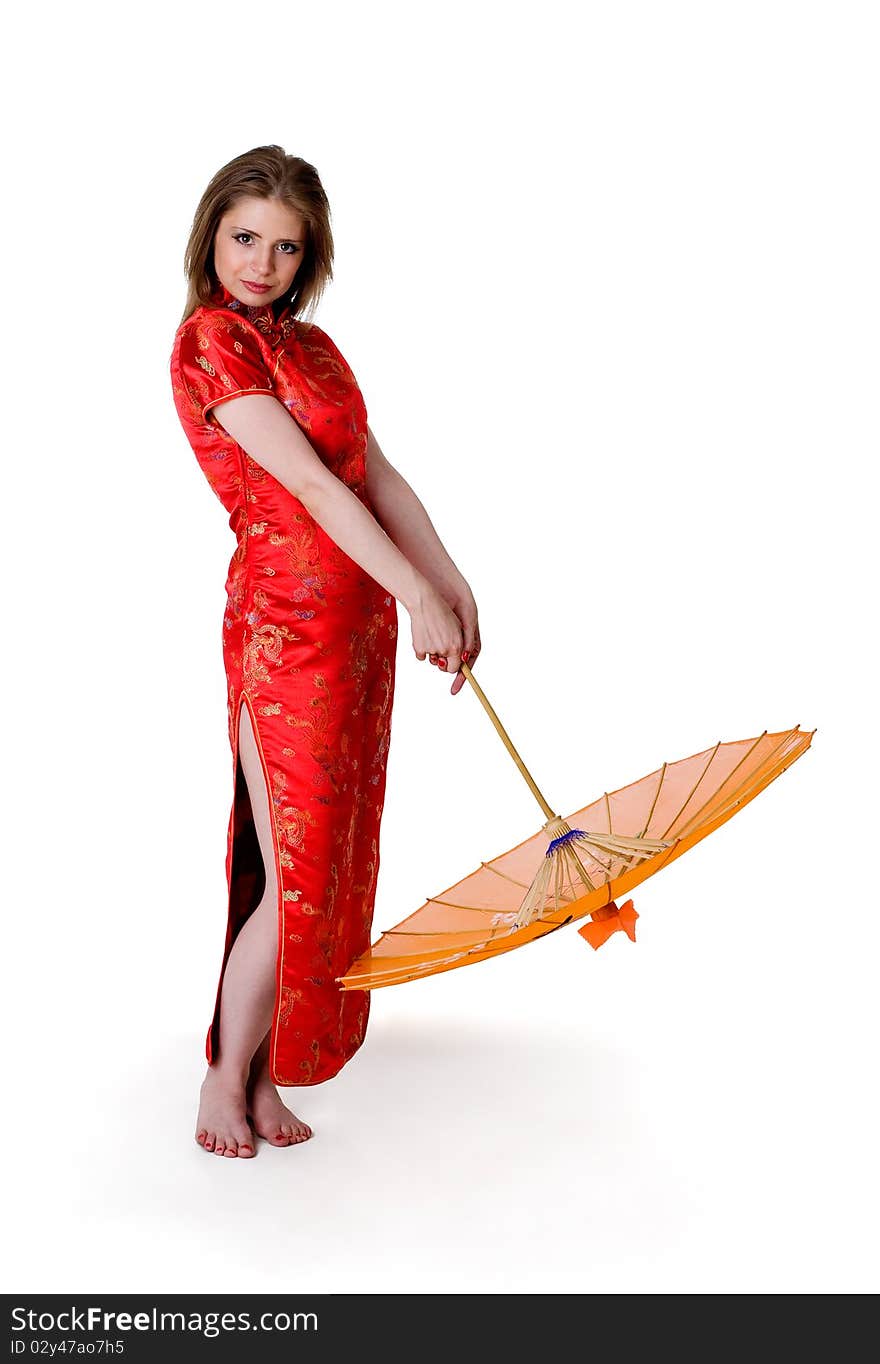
[{"x": 255, "y": 288}]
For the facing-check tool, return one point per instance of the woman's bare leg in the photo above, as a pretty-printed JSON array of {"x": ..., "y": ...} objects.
[{"x": 238, "y": 1081}]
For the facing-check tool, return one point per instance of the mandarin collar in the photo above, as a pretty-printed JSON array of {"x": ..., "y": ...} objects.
[{"x": 261, "y": 315}]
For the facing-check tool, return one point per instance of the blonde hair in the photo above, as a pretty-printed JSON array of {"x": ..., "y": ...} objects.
[{"x": 263, "y": 173}]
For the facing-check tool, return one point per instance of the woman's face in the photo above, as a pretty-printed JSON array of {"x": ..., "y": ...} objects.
[{"x": 258, "y": 242}]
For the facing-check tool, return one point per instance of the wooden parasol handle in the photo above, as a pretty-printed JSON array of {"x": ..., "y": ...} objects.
[{"x": 505, "y": 739}]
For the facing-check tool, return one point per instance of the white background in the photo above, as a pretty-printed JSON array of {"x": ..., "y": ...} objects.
[{"x": 607, "y": 275}]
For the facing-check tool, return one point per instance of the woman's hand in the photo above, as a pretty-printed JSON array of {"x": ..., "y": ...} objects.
[
  {"x": 436, "y": 631},
  {"x": 446, "y": 630}
]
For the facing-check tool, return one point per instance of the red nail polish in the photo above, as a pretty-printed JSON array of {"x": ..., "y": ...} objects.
[{"x": 466, "y": 655}]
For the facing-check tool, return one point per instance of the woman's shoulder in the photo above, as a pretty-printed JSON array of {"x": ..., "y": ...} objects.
[
  {"x": 317, "y": 339},
  {"x": 221, "y": 331},
  {"x": 206, "y": 317},
  {"x": 310, "y": 331}
]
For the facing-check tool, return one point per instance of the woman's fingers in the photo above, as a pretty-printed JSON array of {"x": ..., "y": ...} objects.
[{"x": 469, "y": 656}]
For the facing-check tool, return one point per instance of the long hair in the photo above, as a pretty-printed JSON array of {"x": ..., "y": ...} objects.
[{"x": 263, "y": 173}]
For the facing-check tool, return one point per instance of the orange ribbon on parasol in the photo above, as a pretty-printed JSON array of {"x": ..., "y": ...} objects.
[{"x": 574, "y": 867}]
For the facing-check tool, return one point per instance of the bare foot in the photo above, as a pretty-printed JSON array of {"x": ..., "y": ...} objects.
[
  {"x": 222, "y": 1125},
  {"x": 272, "y": 1119}
]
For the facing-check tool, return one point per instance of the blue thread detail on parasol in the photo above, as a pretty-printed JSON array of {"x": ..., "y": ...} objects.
[{"x": 564, "y": 838}]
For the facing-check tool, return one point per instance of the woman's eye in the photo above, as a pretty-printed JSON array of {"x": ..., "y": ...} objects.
[{"x": 237, "y": 236}]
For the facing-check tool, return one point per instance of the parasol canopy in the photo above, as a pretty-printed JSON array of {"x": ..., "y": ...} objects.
[{"x": 574, "y": 867}]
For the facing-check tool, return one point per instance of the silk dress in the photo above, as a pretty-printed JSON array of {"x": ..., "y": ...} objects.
[{"x": 308, "y": 645}]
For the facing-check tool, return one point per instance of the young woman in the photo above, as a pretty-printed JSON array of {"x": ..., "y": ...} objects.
[{"x": 328, "y": 535}]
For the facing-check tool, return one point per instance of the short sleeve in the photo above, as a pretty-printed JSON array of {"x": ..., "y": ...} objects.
[{"x": 219, "y": 357}]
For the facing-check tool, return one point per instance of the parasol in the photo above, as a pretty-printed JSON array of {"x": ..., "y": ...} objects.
[{"x": 573, "y": 868}]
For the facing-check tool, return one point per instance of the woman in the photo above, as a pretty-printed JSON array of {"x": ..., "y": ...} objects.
[{"x": 328, "y": 535}]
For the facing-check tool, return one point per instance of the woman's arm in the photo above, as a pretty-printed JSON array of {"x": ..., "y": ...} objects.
[
  {"x": 406, "y": 521},
  {"x": 265, "y": 429}
]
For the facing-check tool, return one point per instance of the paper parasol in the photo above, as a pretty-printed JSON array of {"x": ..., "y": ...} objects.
[{"x": 574, "y": 867}]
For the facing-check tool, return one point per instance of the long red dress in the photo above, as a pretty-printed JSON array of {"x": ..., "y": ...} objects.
[{"x": 309, "y": 644}]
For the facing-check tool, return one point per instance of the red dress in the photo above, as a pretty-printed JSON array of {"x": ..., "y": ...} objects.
[{"x": 309, "y": 644}]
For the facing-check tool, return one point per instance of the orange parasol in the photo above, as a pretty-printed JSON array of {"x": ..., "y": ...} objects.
[{"x": 573, "y": 868}]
